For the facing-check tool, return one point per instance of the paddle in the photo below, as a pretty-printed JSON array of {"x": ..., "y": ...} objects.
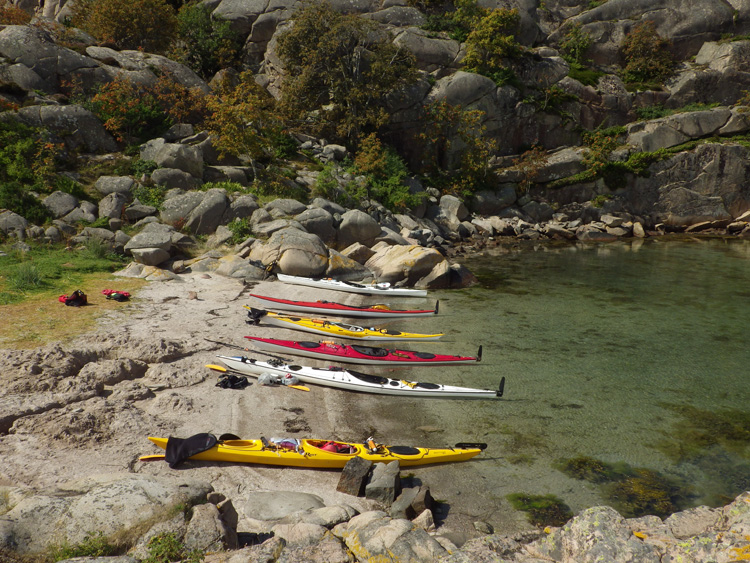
[
  {"x": 153, "y": 457},
  {"x": 224, "y": 370}
]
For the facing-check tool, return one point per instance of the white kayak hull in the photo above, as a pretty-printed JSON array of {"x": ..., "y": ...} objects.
[
  {"x": 350, "y": 287},
  {"x": 354, "y": 381}
]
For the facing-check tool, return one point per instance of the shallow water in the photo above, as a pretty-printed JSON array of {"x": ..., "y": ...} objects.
[{"x": 603, "y": 347}]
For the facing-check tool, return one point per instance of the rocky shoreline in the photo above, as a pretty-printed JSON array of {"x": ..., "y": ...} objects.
[{"x": 75, "y": 417}]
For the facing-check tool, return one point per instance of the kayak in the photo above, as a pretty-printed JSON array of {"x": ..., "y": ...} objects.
[
  {"x": 384, "y": 288},
  {"x": 378, "y": 311},
  {"x": 356, "y": 354},
  {"x": 333, "y": 328},
  {"x": 340, "y": 378},
  {"x": 323, "y": 454}
]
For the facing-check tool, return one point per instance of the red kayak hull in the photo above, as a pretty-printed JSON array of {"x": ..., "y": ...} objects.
[
  {"x": 355, "y": 354},
  {"x": 340, "y": 309}
]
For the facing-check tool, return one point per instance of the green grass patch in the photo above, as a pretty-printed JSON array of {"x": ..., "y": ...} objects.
[
  {"x": 93, "y": 545},
  {"x": 541, "y": 510},
  {"x": 166, "y": 548},
  {"x": 657, "y": 111},
  {"x": 30, "y": 284},
  {"x": 584, "y": 75}
]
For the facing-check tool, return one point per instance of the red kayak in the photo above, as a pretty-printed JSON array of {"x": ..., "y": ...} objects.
[
  {"x": 356, "y": 354},
  {"x": 341, "y": 310}
]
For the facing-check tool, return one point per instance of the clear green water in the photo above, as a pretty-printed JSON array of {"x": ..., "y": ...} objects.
[{"x": 603, "y": 347}]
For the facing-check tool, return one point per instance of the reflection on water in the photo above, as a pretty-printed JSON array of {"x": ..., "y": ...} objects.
[{"x": 626, "y": 353}]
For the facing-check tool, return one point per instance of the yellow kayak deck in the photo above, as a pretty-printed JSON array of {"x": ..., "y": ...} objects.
[{"x": 309, "y": 453}]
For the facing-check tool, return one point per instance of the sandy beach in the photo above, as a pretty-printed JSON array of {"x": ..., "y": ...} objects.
[{"x": 106, "y": 435}]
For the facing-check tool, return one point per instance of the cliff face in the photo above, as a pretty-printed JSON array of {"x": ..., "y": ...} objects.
[{"x": 543, "y": 106}]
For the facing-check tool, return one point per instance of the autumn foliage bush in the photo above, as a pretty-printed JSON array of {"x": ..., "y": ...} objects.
[
  {"x": 132, "y": 111},
  {"x": 647, "y": 55},
  {"x": 12, "y": 15},
  {"x": 128, "y": 24}
]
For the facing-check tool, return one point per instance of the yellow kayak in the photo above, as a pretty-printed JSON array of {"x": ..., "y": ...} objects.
[
  {"x": 333, "y": 328},
  {"x": 321, "y": 454}
]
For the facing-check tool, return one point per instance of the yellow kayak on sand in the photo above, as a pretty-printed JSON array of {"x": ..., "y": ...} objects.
[
  {"x": 333, "y": 328},
  {"x": 320, "y": 454}
]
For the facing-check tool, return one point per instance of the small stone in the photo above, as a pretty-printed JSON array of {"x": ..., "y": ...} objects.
[{"x": 483, "y": 527}]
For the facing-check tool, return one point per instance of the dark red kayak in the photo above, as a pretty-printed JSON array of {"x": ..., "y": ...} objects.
[
  {"x": 356, "y": 354},
  {"x": 341, "y": 310}
]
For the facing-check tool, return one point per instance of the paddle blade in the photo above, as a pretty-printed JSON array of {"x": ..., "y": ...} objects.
[
  {"x": 437, "y": 305},
  {"x": 501, "y": 390},
  {"x": 479, "y": 354},
  {"x": 299, "y": 387},
  {"x": 216, "y": 368}
]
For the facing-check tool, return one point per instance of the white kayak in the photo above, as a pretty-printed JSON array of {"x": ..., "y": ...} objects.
[
  {"x": 352, "y": 287},
  {"x": 355, "y": 381}
]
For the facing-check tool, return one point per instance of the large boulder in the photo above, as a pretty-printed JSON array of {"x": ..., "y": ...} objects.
[
  {"x": 208, "y": 214},
  {"x": 402, "y": 263},
  {"x": 720, "y": 73},
  {"x": 176, "y": 210},
  {"x": 76, "y": 127},
  {"x": 274, "y": 505},
  {"x": 294, "y": 252},
  {"x": 596, "y": 534},
  {"x": 676, "y": 129},
  {"x": 112, "y": 504},
  {"x": 318, "y": 221},
  {"x": 705, "y": 184},
  {"x": 13, "y": 223},
  {"x": 174, "y": 178},
  {"x": 372, "y": 536},
  {"x": 187, "y": 158},
  {"x": 687, "y": 24},
  {"x": 39, "y": 61},
  {"x": 106, "y": 185},
  {"x": 431, "y": 52},
  {"x": 357, "y": 226},
  {"x": 60, "y": 203}
]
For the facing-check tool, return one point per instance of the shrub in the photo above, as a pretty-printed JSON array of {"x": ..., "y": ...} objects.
[
  {"x": 129, "y": 111},
  {"x": 326, "y": 185},
  {"x": 462, "y": 171},
  {"x": 385, "y": 172},
  {"x": 140, "y": 167},
  {"x": 575, "y": 44},
  {"x": 12, "y": 15},
  {"x": 205, "y": 44},
  {"x": 529, "y": 164},
  {"x": 133, "y": 24},
  {"x": 646, "y": 54},
  {"x": 242, "y": 119},
  {"x": 240, "y": 230},
  {"x": 341, "y": 70},
  {"x": 492, "y": 43},
  {"x": 150, "y": 195},
  {"x": 16, "y": 197}
]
